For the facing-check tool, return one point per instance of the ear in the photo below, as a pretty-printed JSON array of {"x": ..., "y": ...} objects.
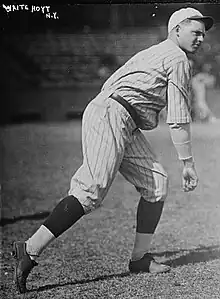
[{"x": 177, "y": 29}]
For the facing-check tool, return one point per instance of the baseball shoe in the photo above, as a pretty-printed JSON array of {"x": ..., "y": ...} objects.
[
  {"x": 147, "y": 264},
  {"x": 23, "y": 265}
]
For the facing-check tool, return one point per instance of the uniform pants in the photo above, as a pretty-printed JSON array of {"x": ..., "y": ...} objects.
[{"x": 111, "y": 142}]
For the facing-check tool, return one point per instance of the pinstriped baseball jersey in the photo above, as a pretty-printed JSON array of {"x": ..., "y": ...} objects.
[{"x": 152, "y": 79}]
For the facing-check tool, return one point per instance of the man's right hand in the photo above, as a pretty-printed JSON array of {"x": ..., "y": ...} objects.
[{"x": 189, "y": 176}]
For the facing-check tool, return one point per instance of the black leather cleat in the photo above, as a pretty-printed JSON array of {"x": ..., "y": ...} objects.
[
  {"x": 147, "y": 264},
  {"x": 23, "y": 265}
]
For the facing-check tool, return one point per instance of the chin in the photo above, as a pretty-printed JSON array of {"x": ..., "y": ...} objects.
[{"x": 191, "y": 51}]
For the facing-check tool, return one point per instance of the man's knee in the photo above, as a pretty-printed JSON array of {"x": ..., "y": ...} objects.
[
  {"x": 160, "y": 183},
  {"x": 157, "y": 190},
  {"x": 89, "y": 205},
  {"x": 161, "y": 191}
]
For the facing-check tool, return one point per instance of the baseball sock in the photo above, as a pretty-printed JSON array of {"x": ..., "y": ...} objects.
[
  {"x": 65, "y": 214},
  {"x": 148, "y": 216}
]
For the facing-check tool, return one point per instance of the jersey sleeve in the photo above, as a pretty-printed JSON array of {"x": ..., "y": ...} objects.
[{"x": 178, "y": 94}]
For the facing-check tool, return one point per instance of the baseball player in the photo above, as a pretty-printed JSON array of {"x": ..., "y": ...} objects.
[
  {"x": 112, "y": 141},
  {"x": 201, "y": 82}
]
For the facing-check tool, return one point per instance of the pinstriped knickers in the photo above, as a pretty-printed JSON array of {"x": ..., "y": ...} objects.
[{"x": 111, "y": 142}]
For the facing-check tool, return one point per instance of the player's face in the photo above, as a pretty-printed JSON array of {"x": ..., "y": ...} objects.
[{"x": 191, "y": 36}]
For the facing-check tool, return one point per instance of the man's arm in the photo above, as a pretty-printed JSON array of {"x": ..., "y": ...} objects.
[
  {"x": 181, "y": 137},
  {"x": 178, "y": 118},
  {"x": 178, "y": 95}
]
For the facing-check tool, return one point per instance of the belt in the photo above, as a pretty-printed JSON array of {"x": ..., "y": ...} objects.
[{"x": 127, "y": 106}]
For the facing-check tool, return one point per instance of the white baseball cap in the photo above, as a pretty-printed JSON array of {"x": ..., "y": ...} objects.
[{"x": 188, "y": 13}]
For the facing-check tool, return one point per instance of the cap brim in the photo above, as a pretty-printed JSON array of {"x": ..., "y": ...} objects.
[{"x": 208, "y": 21}]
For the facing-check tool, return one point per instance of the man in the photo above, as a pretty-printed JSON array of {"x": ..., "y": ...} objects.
[
  {"x": 112, "y": 141},
  {"x": 201, "y": 82}
]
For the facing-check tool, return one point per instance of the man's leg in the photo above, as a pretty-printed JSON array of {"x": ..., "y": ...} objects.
[
  {"x": 69, "y": 210},
  {"x": 103, "y": 149},
  {"x": 141, "y": 168},
  {"x": 148, "y": 216}
]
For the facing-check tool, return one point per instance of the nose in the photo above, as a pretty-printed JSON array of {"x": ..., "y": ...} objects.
[{"x": 201, "y": 38}]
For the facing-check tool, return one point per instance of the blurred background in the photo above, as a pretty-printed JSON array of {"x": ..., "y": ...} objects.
[{"x": 51, "y": 68}]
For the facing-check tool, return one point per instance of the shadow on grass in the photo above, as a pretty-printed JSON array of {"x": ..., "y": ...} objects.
[
  {"x": 198, "y": 255},
  {"x": 82, "y": 281},
  {"x": 193, "y": 256},
  {"x": 36, "y": 216}
]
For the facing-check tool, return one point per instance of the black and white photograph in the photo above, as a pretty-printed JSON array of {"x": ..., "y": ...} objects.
[{"x": 110, "y": 160}]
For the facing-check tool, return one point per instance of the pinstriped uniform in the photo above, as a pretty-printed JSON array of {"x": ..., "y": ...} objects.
[{"x": 111, "y": 142}]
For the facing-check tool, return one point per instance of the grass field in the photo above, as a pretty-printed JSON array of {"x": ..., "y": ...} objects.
[{"x": 90, "y": 260}]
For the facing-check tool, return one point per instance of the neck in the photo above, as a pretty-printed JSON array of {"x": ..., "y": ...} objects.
[{"x": 173, "y": 37}]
